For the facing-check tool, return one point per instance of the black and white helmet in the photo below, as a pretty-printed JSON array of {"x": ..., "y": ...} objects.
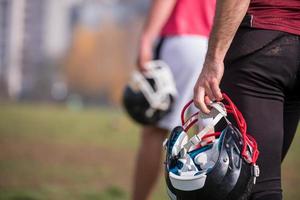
[
  {"x": 149, "y": 95},
  {"x": 222, "y": 168}
]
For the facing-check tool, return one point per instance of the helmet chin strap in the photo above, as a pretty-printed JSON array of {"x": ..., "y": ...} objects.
[
  {"x": 160, "y": 72},
  {"x": 148, "y": 91},
  {"x": 218, "y": 111}
]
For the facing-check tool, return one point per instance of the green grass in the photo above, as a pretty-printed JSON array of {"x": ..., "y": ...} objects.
[
  {"x": 49, "y": 152},
  {"x": 94, "y": 125}
]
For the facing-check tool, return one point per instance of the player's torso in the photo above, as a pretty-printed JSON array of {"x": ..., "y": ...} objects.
[{"x": 190, "y": 17}]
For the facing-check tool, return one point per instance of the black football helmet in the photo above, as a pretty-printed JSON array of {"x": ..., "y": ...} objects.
[
  {"x": 223, "y": 168},
  {"x": 149, "y": 95}
]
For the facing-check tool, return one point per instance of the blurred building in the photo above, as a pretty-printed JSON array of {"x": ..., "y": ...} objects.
[
  {"x": 37, "y": 36},
  {"x": 32, "y": 33},
  {"x": 3, "y": 44}
]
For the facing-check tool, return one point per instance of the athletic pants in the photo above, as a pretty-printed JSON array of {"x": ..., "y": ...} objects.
[{"x": 262, "y": 77}]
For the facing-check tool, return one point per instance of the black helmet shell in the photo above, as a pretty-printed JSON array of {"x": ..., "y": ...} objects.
[
  {"x": 231, "y": 178},
  {"x": 137, "y": 106}
]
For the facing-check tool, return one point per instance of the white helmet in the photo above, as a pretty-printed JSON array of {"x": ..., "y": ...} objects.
[{"x": 150, "y": 94}]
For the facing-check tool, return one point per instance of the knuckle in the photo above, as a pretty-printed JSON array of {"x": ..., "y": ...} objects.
[
  {"x": 213, "y": 81},
  {"x": 206, "y": 84}
]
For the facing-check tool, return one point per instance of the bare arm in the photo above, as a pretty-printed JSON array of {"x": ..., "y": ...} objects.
[
  {"x": 158, "y": 15},
  {"x": 229, "y": 14}
]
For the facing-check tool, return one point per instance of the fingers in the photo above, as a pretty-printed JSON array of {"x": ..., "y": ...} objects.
[
  {"x": 212, "y": 90},
  {"x": 145, "y": 54},
  {"x": 141, "y": 65},
  {"x": 143, "y": 59},
  {"x": 207, "y": 87},
  {"x": 205, "y": 94},
  {"x": 215, "y": 90},
  {"x": 209, "y": 92},
  {"x": 199, "y": 95},
  {"x": 207, "y": 100}
]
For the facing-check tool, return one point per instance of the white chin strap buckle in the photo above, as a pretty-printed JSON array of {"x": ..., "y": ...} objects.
[{"x": 217, "y": 112}]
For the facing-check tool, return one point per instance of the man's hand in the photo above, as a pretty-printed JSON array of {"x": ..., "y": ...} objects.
[
  {"x": 145, "y": 53},
  {"x": 207, "y": 87}
]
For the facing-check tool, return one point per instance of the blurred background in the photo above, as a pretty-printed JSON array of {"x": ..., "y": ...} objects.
[{"x": 63, "y": 133}]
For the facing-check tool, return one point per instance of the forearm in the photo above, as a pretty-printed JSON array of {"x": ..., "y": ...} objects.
[
  {"x": 229, "y": 14},
  {"x": 158, "y": 15}
]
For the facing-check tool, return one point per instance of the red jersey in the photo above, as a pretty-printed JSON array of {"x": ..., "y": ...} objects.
[
  {"x": 190, "y": 17},
  {"x": 282, "y": 15}
]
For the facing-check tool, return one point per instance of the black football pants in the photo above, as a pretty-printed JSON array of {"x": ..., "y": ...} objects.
[{"x": 262, "y": 77}]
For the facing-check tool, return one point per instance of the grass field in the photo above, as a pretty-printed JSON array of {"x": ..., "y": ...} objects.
[{"x": 53, "y": 153}]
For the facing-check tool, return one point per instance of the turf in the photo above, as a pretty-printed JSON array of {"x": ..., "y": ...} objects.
[{"x": 57, "y": 153}]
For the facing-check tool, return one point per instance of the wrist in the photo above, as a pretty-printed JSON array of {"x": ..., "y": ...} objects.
[
  {"x": 215, "y": 56},
  {"x": 217, "y": 50},
  {"x": 147, "y": 38}
]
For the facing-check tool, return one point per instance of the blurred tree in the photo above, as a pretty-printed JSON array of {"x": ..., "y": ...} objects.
[{"x": 99, "y": 61}]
